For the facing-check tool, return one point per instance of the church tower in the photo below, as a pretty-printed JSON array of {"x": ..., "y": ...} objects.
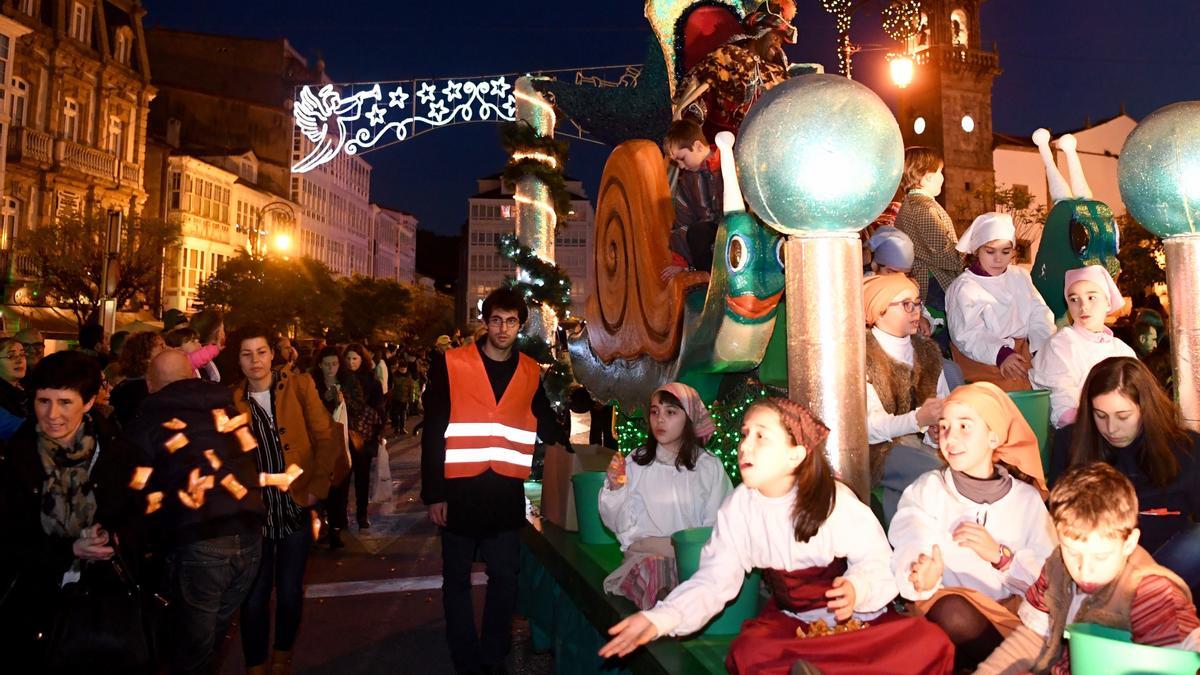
[{"x": 948, "y": 106}]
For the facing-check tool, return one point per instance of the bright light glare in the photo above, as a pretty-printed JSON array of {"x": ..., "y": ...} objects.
[
  {"x": 283, "y": 243},
  {"x": 902, "y": 71},
  {"x": 968, "y": 124}
]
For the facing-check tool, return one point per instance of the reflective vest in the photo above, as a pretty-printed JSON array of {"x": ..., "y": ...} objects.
[{"x": 483, "y": 433}]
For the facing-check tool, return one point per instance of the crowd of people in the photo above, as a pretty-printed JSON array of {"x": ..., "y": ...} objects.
[{"x": 189, "y": 470}]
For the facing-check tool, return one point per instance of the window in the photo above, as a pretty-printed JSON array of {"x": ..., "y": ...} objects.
[
  {"x": 9, "y": 223},
  {"x": 70, "y": 127},
  {"x": 28, "y": 7},
  {"x": 79, "y": 22},
  {"x": 116, "y": 137},
  {"x": 121, "y": 45},
  {"x": 175, "y": 189},
  {"x": 20, "y": 101},
  {"x": 958, "y": 28}
]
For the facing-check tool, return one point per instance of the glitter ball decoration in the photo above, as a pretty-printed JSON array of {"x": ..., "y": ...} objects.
[
  {"x": 819, "y": 153},
  {"x": 1159, "y": 170}
]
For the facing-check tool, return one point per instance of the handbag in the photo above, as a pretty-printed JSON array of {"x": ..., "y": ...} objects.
[{"x": 100, "y": 620}]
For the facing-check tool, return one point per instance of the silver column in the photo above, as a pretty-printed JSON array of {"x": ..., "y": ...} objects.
[
  {"x": 535, "y": 218},
  {"x": 1183, "y": 287},
  {"x": 827, "y": 345}
]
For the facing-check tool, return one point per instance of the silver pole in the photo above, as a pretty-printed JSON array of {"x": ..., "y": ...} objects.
[{"x": 1183, "y": 288}]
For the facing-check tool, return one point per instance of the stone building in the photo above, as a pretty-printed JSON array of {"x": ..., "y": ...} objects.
[{"x": 78, "y": 97}]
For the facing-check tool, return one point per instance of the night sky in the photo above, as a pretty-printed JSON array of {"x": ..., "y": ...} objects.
[{"x": 1063, "y": 61}]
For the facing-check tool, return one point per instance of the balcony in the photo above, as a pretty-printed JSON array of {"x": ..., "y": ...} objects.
[
  {"x": 29, "y": 145},
  {"x": 959, "y": 59},
  {"x": 14, "y": 266},
  {"x": 131, "y": 175},
  {"x": 89, "y": 161}
]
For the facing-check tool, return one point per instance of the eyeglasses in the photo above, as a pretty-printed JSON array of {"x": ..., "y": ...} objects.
[
  {"x": 907, "y": 305},
  {"x": 510, "y": 322},
  {"x": 34, "y": 346},
  {"x": 14, "y": 356}
]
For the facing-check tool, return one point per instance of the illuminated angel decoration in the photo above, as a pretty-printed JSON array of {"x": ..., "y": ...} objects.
[{"x": 314, "y": 114}]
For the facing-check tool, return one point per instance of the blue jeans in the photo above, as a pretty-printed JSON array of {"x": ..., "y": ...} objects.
[
  {"x": 469, "y": 650},
  {"x": 282, "y": 571},
  {"x": 209, "y": 580},
  {"x": 1181, "y": 555}
]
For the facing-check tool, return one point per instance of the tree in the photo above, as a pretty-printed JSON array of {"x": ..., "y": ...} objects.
[
  {"x": 431, "y": 315},
  {"x": 70, "y": 252},
  {"x": 284, "y": 295},
  {"x": 370, "y": 305},
  {"x": 1143, "y": 259}
]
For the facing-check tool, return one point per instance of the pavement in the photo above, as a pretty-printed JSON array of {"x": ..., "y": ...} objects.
[{"x": 376, "y": 606}]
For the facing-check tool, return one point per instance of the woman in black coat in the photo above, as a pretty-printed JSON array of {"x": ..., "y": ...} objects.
[{"x": 65, "y": 500}]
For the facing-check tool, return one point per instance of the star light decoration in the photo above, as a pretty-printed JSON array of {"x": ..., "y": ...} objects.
[{"x": 336, "y": 121}]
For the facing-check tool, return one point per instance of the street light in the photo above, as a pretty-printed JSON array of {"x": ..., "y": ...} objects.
[
  {"x": 283, "y": 243},
  {"x": 257, "y": 233},
  {"x": 901, "y": 67}
]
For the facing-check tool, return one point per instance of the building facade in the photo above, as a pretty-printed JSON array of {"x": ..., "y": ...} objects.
[
  {"x": 491, "y": 215},
  {"x": 235, "y": 95},
  {"x": 948, "y": 106},
  {"x": 395, "y": 246},
  {"x": 77, "y": 97}
]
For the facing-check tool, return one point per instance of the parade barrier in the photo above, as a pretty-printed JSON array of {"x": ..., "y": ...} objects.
[
  {"x": 560, "y": 592},
  {"x": 1100, "y": 650},
  {"x": 688, "y": 544}
]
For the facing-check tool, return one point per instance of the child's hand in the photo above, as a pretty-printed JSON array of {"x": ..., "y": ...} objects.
[
  {"x": 924, "y": 329},
  {"x": 927, "y": 570},
  {"x": 616, "y": 472},
  {"x": 1015, "y": 366},
  {"x": 841, "y": 599},
  {"x": 930, "y": 412},
  {"x": 671, "y": 271},
  {"x": 632, "y": 632},
  {"x": 974, "y": 537}
]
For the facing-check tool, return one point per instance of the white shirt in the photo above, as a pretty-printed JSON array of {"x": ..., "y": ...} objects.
[
  {"x": 932, "y": 508},
  {"x": 881, "y": 425},
  {"x": 659, "y": 499},
  {"x": 1065, "y": 363},
  {"x": 987, "y": 313},
  {"x": 263, "y": 399},
  {"x": 753, "y": 530}
]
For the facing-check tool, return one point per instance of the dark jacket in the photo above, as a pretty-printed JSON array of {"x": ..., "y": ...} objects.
[
  {"x": 14, "y": 399},
  {"x": 487, "y": 503},
  {"x": 192, "y": 402},
  {"x": 126, "y": 399},
  {"x": 32, "y": 561}
]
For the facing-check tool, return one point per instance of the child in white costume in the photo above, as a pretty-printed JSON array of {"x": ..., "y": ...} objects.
[
  {"x": 670, "y": 484},
  {"x": 970, "y": 538},
  {"x": 824, "y": 555},
  {"x": 1065, "y": 363},
  {"x": 997, "y": 318}
]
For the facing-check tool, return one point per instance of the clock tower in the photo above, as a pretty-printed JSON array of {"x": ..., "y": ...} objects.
[{"x": 948, "y": 106}]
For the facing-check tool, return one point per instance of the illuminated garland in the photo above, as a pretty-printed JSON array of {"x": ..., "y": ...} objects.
[
  {"x": 726, "y": 416},
  {"x": 540, "y": 156},
  {"x": 901, "y": 19}
]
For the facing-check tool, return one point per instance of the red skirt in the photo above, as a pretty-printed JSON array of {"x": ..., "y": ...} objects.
[{"x": 891, "y": 644}]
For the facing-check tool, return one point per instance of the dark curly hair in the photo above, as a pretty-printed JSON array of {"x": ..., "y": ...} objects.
[{"x": 135, "y": 355}]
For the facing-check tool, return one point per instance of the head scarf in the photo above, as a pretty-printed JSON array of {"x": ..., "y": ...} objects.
[
  {"x": 1018, "y": 445},
  {"x": 1103, "y": 280},
  {"x": 762, "y": 21},
  {"x": 987, "y": 227},
  {"x": 892, "y": 248},
  {"x": 879, "y": 291},
  {"x": 694, "y": 406},
  {"x": 806, "y": 429}
]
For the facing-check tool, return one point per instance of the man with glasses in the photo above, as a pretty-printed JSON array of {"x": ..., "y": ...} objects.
[
  {"x": 35, "y": 346},
  {"x": 14, "y": 400},
  {"x": 907, "y": 382},
  {"x": 484, "y": 411}
]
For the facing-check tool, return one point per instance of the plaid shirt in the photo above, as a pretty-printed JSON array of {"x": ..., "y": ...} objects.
[{"x": 933, "y": 236}]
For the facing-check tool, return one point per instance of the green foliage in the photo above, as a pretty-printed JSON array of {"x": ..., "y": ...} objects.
[
  {"x": 371, "y": 305},
  {"x": 549, "y": 285},
  {"x": 70, "y": 252},
  {"x": 1142, "y": 258},
  {"x": 520, "y": 137},
  {"x": 285, "y": 295}
]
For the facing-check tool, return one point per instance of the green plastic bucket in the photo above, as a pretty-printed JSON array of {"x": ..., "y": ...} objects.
[
  {"x": 587, "y": 486},
  {"x": 688, "y": 544},
  {"x": 1100, "y": 650},
  {"x": 1034, "y": 405}
]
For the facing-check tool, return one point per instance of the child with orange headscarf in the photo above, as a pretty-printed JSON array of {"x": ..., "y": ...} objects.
[{"x": 970, "y": 538}]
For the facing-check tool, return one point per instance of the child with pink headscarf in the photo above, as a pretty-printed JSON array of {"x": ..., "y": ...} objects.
[
  {"x": 1065, "y": 362},
  {"x": 670, "y": 484}
]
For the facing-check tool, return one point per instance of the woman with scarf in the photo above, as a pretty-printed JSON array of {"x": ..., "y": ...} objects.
[{"x": 65, "y": 502}]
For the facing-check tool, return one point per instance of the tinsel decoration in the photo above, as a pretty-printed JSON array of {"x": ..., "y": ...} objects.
[
  {"x": 541, "y": 156},
  {"x": 726, "y": 416}
]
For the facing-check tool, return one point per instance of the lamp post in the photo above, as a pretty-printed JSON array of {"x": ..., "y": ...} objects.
[
  {"x": 109, "y": 271},
  {"x": 257, "y": 233}
]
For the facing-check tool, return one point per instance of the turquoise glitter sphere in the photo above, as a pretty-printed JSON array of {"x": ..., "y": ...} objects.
[
  {"x": 819, "y": 153},
  {"x": 1159, "y": 170}
]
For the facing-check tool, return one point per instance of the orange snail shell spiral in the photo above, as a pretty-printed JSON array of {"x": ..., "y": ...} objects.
[{"x": 630, "y": 310}]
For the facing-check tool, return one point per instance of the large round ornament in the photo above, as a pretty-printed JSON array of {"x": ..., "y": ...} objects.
[
  {"x": 819, "y": 153},
  {"x": 1159, "y": 170}
]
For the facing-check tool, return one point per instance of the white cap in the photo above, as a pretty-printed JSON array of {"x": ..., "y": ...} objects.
[{"x": 987, "y": 227}]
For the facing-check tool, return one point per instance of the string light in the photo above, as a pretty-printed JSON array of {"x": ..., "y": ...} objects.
[
  {"x": 901, "y": 19},
  {"x": 539, "y": 156},
  {"x": 539, "y": 102},
  {"x": 539, "y": 204}
]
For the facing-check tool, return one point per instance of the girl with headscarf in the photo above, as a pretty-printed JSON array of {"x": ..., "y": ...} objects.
[
  {"x": 1064, "y": 364},
  {"x": 824, "y": 556},
  {"x": 970, "y": 538},
  {"x": 997, "y": 318},
  {"x": 670, "y": 484}
]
